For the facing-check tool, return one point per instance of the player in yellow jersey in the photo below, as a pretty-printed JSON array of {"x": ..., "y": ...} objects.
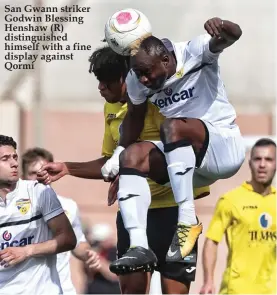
[
  {"x": 111, "y": 70},
  {"x": 247, "y": 215}
]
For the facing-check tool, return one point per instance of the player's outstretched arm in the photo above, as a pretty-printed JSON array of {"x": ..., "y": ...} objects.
[
  {"x": 224, "y": 33},
  {"x": 209, "y": 261},
  {"x": 54, "y": 171}
]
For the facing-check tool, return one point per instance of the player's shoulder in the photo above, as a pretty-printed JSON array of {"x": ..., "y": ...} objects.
[
  {"x": 33, "y": 187},
  {"x": 33, "y": 190},
  {"x": 195, "y": 45},
  {"x": 235, "y": 194}
]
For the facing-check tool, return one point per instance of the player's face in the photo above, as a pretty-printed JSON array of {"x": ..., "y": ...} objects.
[
  {"x": 113, "y": 92},
  {"x": 263, "y": 164},
  {"x": 33, "y": 168},
  {"x": 8, "y": 165},
  {"x": 151, "y": 71}
]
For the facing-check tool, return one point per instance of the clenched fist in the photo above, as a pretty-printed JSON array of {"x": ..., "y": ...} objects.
[{"x": 214, "y": 26}]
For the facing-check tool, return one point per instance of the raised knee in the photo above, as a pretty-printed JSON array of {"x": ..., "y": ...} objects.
[
  {"x": 169, "y": 130},
  {"x": 131, "y": 158}
]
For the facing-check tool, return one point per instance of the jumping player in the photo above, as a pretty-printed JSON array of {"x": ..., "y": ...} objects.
[
  {"x": 200, "y": 138},
  {"x": 111, "y": 69}
]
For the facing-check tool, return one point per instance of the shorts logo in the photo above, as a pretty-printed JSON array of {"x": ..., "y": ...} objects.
[
  {"x": 265, "y": 220},
  {"x": 23, "y": 205},
  {"x": 168, "y": 91},
  {"x": 191, "y": 269},
  {"x": 170, "y": 253},
  {"x": 6, "y": 235}
]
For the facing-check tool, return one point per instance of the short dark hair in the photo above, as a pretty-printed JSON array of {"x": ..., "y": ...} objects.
[
  {"x": 263, "y": 142},
  {"x": 6, "y": 140},
  {"x": 33, "y": 154},
  {"x": 153, "y": 46},
  {"x": 108, "y": 66}
]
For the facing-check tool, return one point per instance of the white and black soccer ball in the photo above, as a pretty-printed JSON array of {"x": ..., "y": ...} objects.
[{"x": 124, "y": 28}]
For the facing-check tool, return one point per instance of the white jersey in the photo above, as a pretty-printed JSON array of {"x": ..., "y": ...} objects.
[
  {"x": 194, "y": 91},
  {"x": 23, "y": 221},
  {"x": 63, "y": 259}
]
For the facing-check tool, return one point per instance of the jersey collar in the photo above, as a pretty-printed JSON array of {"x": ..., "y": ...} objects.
[
  {"x": 249, "y": 187},
  {"x": 9, "y": 195}
]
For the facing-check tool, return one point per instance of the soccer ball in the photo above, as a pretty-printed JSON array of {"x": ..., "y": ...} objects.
[{"x": 126, "y": 27}]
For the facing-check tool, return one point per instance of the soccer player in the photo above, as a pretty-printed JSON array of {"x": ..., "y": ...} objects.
[
  {"x": 200, "y": 138},
  {"x": 247, "y": 216},
  {"x": 32, "y": 160},
  {"x": 111, "y": 69},
  {"x": 33, "y": 228}
]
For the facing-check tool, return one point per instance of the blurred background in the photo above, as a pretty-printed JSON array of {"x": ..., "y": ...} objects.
[{"x": 57, "y": 106}]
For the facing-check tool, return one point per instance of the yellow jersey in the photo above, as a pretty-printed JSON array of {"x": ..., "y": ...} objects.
[
  {"x": 162, "y": 196},
  {"x": 249, "y": 221}
]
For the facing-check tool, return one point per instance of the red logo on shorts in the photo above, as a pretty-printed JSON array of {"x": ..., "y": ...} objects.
[
  {"x": 7, "y": 236},
  {"x": 123, "y": 18}
]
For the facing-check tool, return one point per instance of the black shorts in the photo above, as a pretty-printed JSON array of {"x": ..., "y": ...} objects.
[{"x": 161, "y": 226}]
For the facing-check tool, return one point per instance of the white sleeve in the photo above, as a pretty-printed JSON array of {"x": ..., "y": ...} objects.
[
  {"x": 47, "y": 201},
  {"x": 200, "y": 47},
  {"x": 77, "y": 227},
  {"x": 135, "y": 89}
]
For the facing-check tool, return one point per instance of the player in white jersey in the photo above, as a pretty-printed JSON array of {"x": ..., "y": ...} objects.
[
  {"x": 33, "y": 228},
  {"x": 32, "y": 160},
  {"x": 200, "y": 138}
]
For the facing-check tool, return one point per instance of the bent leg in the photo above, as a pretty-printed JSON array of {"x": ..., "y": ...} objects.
[{"x": 183, "y": 140}]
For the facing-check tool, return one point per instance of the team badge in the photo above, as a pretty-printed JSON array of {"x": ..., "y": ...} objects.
[
  {"x": 168, "y": 91},
  {"x": 265, "y": 220},
  {"x": 180, "y": 73},
  {"x": 23, "y": 205}
]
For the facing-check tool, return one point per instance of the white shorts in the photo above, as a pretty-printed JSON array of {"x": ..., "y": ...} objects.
[{"x": 224, "y": 156}]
